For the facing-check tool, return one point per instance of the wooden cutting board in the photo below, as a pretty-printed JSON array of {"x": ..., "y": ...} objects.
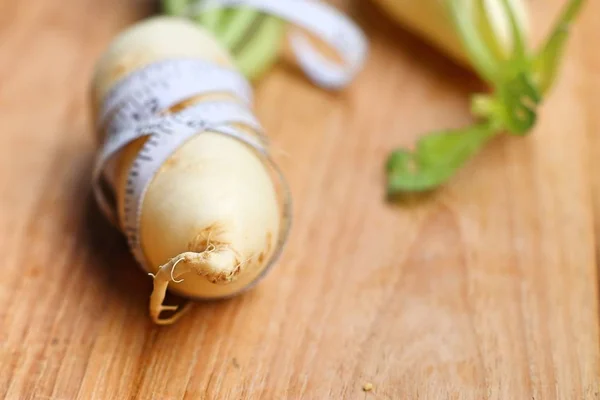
[{"x": 486, "y": 289}]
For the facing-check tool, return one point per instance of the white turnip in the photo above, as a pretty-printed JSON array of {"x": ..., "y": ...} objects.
[{"x": 211, "y": 220}]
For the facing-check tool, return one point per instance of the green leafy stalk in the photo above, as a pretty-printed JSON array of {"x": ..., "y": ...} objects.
[
  {"x": 478, "y": 51},
  {"x": 238, "y": 22},
  {"x": 210, "y": 19},
  {"x": 254, "y": 39},
  {"x": 436, "y": 158},
  {"x": 256, "y": 57},
  {"x": 518, "y": 82},
  {"x": 175, "y": 7},
  {"x": 547, "y": 61},
  {"x": 518, "y": 38}
]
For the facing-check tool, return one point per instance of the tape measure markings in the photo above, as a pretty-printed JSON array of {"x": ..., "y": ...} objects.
[
  {"x": 134, "y": 111},
  {"x": 175, "y": 82}
]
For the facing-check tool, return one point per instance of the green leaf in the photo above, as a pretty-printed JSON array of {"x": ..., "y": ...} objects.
[
  {"x": 547, "y": 62},
  {"x": 436, "y": 159}
]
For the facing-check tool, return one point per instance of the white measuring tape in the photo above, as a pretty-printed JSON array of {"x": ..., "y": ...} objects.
[
  {"x": 146, "y": 92},
  {"x": 135, "y": 107},
  {"x": 319, "y": 19}
]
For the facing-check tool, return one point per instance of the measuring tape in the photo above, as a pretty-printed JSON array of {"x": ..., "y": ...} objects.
[
  {"x": 319, "y": 19},
  {"x": 146, "y": 92},
  {"x": 135, "y": 108}
]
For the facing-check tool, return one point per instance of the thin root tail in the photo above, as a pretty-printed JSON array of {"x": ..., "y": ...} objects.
[{"x": 172, "y": 272}]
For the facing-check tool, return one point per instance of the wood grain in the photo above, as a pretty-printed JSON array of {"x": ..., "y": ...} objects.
[{"x": 486, "y": 289}]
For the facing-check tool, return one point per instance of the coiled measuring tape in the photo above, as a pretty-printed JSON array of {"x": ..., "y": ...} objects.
[
  {"x": 319, "y": 19},
  {"x": 135, "y": 107}
]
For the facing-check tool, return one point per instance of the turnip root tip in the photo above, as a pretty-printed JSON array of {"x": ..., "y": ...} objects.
[{"x": 215, "y": 264}]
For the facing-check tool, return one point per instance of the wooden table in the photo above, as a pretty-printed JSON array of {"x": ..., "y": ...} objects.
[{"x": 486, "y": 289}]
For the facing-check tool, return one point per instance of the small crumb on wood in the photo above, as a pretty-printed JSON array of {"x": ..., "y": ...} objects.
[
  {"x": 367, "y": 387},
  {"x": 235, "y": 363}
]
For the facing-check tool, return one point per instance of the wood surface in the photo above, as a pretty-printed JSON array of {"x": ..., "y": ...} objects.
[{"x": 487, "y": 288}]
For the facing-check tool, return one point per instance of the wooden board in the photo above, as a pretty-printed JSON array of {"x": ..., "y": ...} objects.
[{"x": 486, "y": 289}]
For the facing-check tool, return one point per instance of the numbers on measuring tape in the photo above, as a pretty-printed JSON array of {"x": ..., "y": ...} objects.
[
  {"x": 152, "y": 105},
  {"x": 163, "y": 85}
]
